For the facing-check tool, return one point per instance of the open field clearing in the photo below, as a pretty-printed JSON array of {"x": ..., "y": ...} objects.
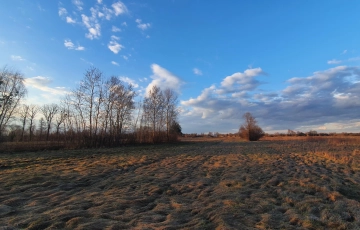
[{"x": 217, "y": 184}]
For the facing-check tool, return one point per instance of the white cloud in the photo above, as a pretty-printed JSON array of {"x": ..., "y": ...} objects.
[
  {"x": 129, "y": 81},
  {"x": 142, "y": 26},
  {"x": 93, "y": 22},
  {"x": 70, "y": 20},
  {"x": 17, "y": 58},
  {"x": 42, "y": 83},
  {"x": 334, "y": 62},
  {"x": 114, "y": 46},
  {"x": 241, "y": 81},
  {"x": 325, "y": 97},
  {"x": 80, "y": 48},
  {"x": 125, "y": 57},
  {"x": 78, "y": 4},
  {"x": 93, "y": 27},
  {"x": 344, "y": 52},
  {"x": 124, "y": 24},
  {"x": 115, "y": 29},
  {"x": 164, "y": 79},
  {"x": 113, "y": 37},
  {"x": 62, "y": 11},
  {"x": 119, "y": 8},
  {"x": 115, "y": 63},
  {"x": 40, "y": 92},
  {"x": 354, "y": 59},
  {"x": 197, "y": 71},
  {"x": 68, "y": 44},
  {"x": 40, "y": 8}
]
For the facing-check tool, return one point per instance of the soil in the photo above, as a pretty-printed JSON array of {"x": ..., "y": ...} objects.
[{"x": 217, "y": 183}]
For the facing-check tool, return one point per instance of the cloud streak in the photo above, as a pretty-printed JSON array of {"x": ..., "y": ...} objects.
[
  {"x": 42, "y": 83},
  {"x": 17, "y": 58}
]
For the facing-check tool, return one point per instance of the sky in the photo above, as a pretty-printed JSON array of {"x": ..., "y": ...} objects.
[{"x": 292, "y": 64}]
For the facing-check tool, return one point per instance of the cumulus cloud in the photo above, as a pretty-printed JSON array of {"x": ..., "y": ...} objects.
[
  {"x": 142, "y": 26},
  {"x": 164, "y": 79},
  {"x": 114, "y": 46},
  {"x": 115, "y": 63},
  {"x": 320, "y": 100},
  {"x": 17, "y": 58},
  {"x": 68, "y": 44},
  {"x": 197, "y": 71},
  {"x": 241, "y": 81}
]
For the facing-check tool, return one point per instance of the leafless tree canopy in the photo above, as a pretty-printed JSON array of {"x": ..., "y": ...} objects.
[
  {"x": 99, "y": 112},
  {"x": 12, "y": 90},
  {"x": 250, "y": 130}
]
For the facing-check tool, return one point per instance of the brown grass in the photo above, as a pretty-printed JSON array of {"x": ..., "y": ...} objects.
[{"x": 220, "y": 183}]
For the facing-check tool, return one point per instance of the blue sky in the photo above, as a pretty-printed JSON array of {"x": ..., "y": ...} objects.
[{"x": 293, "y": 64}]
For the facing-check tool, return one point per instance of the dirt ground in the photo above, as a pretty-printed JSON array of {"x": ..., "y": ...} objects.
[{"x": 212, "y": 184}]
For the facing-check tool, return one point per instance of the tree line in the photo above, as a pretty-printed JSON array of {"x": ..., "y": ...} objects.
[{"x": 99, "y": 112}]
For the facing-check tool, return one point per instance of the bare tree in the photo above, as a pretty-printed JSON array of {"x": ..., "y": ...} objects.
[
  {"x": 33, "y": 110},
  {"x": 12, "y": 90},
  {"x": 49, "y": 111},
  {"x": 170, "y": 101},
  {"x": 41, "y": 128},
  {"x": 250, "y": 130},
  {"x": 153, "y": 108},
  {"x": 23, "y": 113},
  {"x": 60, "y": 119}
]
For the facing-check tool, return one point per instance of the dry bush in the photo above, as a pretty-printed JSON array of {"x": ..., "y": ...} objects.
[{"x": 250, "y": 130}]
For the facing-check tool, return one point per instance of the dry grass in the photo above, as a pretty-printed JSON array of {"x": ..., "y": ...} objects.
[{"x": 222, "y": 183}]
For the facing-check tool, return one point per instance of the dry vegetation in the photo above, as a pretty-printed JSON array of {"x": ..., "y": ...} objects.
[{"x": 213, "y": 184}]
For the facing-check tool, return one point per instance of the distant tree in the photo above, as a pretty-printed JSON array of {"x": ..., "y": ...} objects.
[
  {"x": 42, "y": 127},
  {"x": 175, "y": 128},
  {"x": 312, "y": 133},
  {"x": 291, "y": 132},
  {"x": 250, "y": 130},
  {"x": 60, "y": 119},
  {"x": 300, "y": 134},
  {"x": 33, "y": 110},
  {"x": 12, "y": 90},
  {"x": 49, "y": 111},
  {"x": 23, "y": 113}
]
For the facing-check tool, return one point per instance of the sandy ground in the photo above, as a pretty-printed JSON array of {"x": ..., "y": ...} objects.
[{"x": 216, "y": 184}]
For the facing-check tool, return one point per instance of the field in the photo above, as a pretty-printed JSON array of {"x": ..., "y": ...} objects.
[{"x": 218, "y": 183}]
